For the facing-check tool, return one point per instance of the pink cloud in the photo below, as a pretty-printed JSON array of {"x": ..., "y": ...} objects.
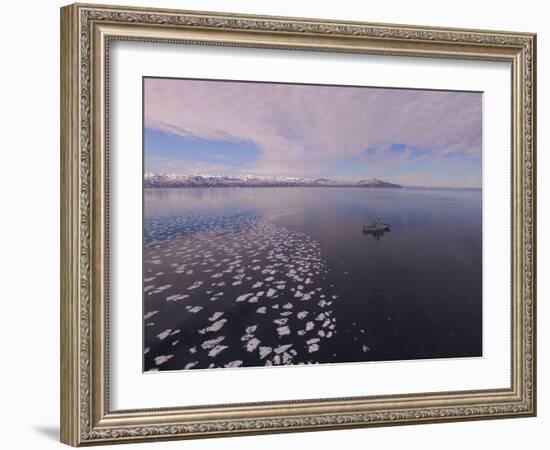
[{"x": 303, "y": 129}]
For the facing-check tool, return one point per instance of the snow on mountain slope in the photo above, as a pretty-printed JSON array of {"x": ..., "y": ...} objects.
[{"x": 152, "y": 180}]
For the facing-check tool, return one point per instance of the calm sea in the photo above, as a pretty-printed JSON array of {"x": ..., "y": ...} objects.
[{"x": 275, "y": 276}]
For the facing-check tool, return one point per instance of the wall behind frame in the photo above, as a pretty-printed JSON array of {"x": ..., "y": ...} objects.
[{"x": 29, "y": 222}]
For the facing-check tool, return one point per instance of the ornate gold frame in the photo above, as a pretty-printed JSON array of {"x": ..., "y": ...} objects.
[{"x": 86, "y": 31}]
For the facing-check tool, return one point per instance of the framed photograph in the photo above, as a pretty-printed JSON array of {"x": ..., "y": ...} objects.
[{"x": 276, "y": 224}]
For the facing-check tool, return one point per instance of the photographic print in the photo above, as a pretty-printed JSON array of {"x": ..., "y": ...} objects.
[{"x": 288, "y": 224}]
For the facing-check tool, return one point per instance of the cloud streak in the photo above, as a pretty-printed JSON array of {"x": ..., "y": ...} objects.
[{"x": 305, "y": 130}]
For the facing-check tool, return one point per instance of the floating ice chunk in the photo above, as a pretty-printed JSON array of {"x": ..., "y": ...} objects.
[
  {"x": 288, "y": 305},
  {"x": 236, "y": 283},
  {"x": 148, "y": 288},
  {"x": 271, "y": 292},
  {"x": 216, "y": 326},
  {"x": 280, "y": 321},
  {"x": 261, "y": 310},
  {"x": 264, "y": 351},
  {"x": 306, "y": 297},
  {"x": 251, "y": 329},
  {"x": 259, "y": 294},
  {"x": 286, "y": 313},
  {"x": 216, "y": 350},
  {"x": 211, "y": 343},
  {"x": 217, "y": 275},
  {"x": 310, "y": 326},
  {"x": 162, "y": 359},
  {"x": 253, "y": 300},
  {"x": 298, "y": 294},
  {"x": 302, "y": 314},
  {"x": 365, "y": 348},
  {"x": 146, "y": 350},
  {"x": 287, "y": 358},
  {"x": 252, "y": 344},
  {"x": 237, "y": 363},
  {"x": 147, "y": 280},
  {"x": 150, "y": 314},
  {"x": 195, "y": 285},
  {"x": 257, "y": 285},
  {"x": 164, "y": 334},
  {"x": 173, "y": 333},
  {"x": 321, "y": 333},
  {"x": 282, "y": 348},
  {"x": 215, "y": 316},
  {"x": 190, "y": 365},
  {"x": 176, "y": 297},
  {"x": 175, "y": 342},
  {"x": 193, "y": 350},
  {"x": 313, "y": 348},
  {"x": 283, "y": 331},
  {"x": 162, "y": 288},
  {"x": 194, "y": 309},
  {"x": 242, "y": 298}
]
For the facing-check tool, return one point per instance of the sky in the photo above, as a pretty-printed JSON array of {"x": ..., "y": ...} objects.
[{"x": 406, "y": 136}]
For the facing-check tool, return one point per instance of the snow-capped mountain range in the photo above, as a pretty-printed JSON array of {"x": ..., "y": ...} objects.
[{"x": 153, "y": 180}]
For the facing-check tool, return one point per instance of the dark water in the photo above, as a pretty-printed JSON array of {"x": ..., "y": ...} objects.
[{"x": 273, "y": 276}]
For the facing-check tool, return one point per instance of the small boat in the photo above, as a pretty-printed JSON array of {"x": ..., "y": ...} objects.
[{"x": 376, "y": 225}]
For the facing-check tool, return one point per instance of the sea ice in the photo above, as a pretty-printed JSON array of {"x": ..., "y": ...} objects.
[
  {"x": 215, "y": 316},
  {"x": 264, "y": 351},
  {"x": 252, "y": 344},
  {"x": 150, "y": 314},
  {"x": 282, "y": 348},
  {"x": 237, "y": 363},
  {"x": 164, "y": 334},
  {"x": 283, "y": 331},
  {"x": 162, "y": 359},
  {"x": 242, "y": 298},
  {"x": 211, "y": 343},
  {"x": 216, "y": 350}
]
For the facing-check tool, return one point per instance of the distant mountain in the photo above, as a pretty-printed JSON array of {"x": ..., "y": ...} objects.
[{"x": 153, "y": 180}]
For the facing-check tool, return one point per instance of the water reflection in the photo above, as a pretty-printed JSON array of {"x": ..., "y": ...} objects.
[
  {"x": 273, "y": 276},
  {"x": 376, "y": 234}
]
